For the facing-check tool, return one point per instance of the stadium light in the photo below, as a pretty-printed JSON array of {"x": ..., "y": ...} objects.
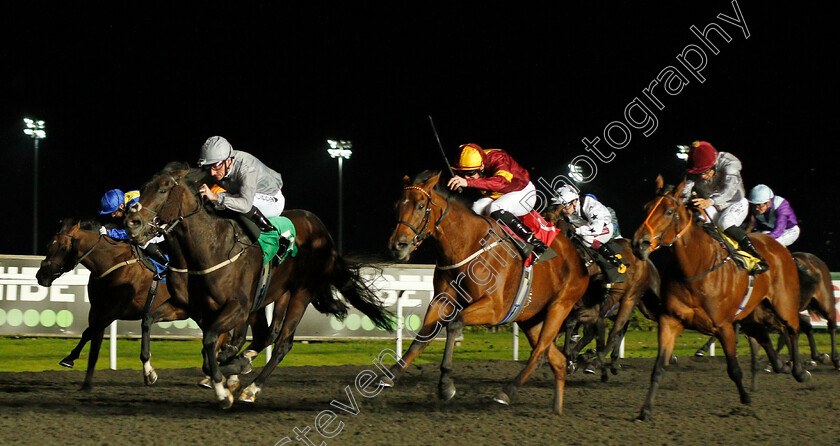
[
  {"x": 682, "y": 152},
  {"x": 575, "y": 173},
  {"x": 35, "y": 130},
  {"x": 340, "y": 150}
]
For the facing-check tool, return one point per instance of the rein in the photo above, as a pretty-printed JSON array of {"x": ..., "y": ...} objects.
[
  {"x": 421, "y": 234},
  {"x": 656, "y": 240}
]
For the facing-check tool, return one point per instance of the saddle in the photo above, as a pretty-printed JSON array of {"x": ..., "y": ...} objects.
[{"x": 743, "y": 259}]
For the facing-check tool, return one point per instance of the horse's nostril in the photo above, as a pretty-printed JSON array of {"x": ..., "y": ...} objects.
[{"x": 133, "y": 223}]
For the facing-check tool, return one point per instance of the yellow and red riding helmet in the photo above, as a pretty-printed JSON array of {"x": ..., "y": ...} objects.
[{"x": 471, "y": 158}]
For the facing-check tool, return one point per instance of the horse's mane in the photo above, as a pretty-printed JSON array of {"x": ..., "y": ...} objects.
[
  {"x": 85, "y": 224},
  {"x": 465, "y": 199}
]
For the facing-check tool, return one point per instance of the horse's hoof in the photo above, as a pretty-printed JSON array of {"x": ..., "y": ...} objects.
[
  {"x": 502, "y": 398},
  {"x": 644, "y": 415},
  {"x": 234, "y": 387},
  {"x": 227, "y": 401},
  {"x": 673, "y": 359},
  {"x": 768, "y": 369},
  {"x": 447, "y": 394},
  {"x": 86, "y": 387},
  {"x": 206, "y": 383},
  {"x": 605, "y": 377},
  {"x": 614, "y": 368},
  {"x": 809, "y": 363},
  {"x": 804, "y": 377},
  {"x": 69, "y": 363},
  {"x": 150, "y": 378},
  {"x": 589, "y": 370},
  {"x": 249, "y": 394},
  {"x": 699, "y": 354},
  {"x": 386, "y": 382},
  {"x": 571, "y": 368},
  {"x": 823, "y": 358}
]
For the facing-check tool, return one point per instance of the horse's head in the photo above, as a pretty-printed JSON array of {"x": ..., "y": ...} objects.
[
  {"x": 418, "y": 215},
  {"x": 662, "y": 225},
  {"x": 62, "y": 253},
  {"x": 161, "y": 201}
]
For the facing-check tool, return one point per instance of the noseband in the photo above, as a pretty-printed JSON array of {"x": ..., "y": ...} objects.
[
  {"x": 421, "y": 234},
  {"x": 656, "y": 240}
]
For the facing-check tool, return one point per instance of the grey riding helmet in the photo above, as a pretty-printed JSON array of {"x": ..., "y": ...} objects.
[{"x": 214, "y": 150}]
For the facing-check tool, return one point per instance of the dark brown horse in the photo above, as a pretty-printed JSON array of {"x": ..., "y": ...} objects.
[
  {"x": 707, "y": 292},
  {"x": 118, "y": 289},
  {"x": 641, "y": 278},
  {"x": 224, "y": 267},
  {"x": 477, "y": 276}
]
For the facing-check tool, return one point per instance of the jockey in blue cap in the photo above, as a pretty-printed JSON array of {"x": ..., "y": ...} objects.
[{"x": 114, "y": 204}]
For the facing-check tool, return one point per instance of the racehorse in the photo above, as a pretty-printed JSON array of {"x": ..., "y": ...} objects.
[
  {"x": 707, "y": 292},
  {"x": 118, "y": 288},
  {"x": 817, "y": 296},
  {"x": 222, "y": 294},
  {"x": 641, "y": 278},
  {"x": 475, "y": 281}
]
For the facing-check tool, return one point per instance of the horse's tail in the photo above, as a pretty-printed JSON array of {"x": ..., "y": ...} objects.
[{"x": 347, "y": 279}]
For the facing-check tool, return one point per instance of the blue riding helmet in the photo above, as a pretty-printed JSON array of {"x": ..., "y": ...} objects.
[{"x": 111, "y": 201}]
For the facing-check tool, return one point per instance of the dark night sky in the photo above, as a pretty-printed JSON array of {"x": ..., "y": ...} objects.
[{"x": 123, "y": 91}]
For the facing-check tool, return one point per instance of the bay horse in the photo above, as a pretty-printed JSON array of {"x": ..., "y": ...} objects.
[
  {"x": 224, "y": 268},
  {"x": 641, "y": 278},
  {"x": 118, "y": 289},
  {"x": 816, "y": 296},
  {"x": 707, "y": 292},
  {"x": 477, "y": 275}
]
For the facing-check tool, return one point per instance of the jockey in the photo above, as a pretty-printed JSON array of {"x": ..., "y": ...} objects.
[
  {"x": 252, "y": 188},
  {"x": 114, "y": 204},
  {"x": 506, "y": 186},
  {"x": 594, "y": 224},
  {"x": 719, "y": 175},
  {"x": 772, "y": 215}
]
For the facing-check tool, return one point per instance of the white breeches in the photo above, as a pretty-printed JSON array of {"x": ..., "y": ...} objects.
[
  {"x": 517, "y": 203},
  {"x": 270, "y": 206},
  {"x": 788, "y": 237},
  {"x": 734, "y": 215}
]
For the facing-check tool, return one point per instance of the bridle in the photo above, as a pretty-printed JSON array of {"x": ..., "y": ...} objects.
[
  {"x": 422, "y": 234},
  {"x": 63, "y": 268},
  {"x": 656, "y": 240},
  {"x": 155, "y": 223}
]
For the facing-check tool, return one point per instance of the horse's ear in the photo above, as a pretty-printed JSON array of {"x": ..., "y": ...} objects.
[
  {"x": 679, "y": 189},
  {"x": 406, "y": 181},
  {"x": 660, "y": 183},
  {"x": 432, "y": 182}
]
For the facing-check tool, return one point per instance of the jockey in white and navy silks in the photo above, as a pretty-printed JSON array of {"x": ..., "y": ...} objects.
[
  {"x": 592, "y": 220},
  {"x": 724, "y": 200},
  {"x": 772, "y": 215}
]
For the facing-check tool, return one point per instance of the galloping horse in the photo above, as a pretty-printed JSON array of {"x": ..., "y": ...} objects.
[
  {"x": 707, "y": 292},
  {"x": 817, "y": 296},
  {"x": 641, "y": 278},
  {"x": 222, "y": 293},
  {"x": 476, "y": 279},
  {"x": 118, "y": 289}
]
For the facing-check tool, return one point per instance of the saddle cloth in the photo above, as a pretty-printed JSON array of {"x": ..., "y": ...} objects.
[{"x": 270, "y": 241}]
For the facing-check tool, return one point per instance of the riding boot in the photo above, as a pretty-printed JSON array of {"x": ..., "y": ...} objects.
[
  {"x": 611, "y": 264},
  {"x": 538, "y": 248},
  {"x": 745, "y": 244},
  {"x": 260, "y": 220}
]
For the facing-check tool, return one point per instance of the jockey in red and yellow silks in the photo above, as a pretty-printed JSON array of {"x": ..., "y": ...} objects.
[{"x": 506, "y": 186}]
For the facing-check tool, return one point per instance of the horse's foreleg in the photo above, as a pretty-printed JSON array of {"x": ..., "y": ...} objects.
[
  {"x": 728, "y": 340},
  {"x": 446, "y": 389},
  {"x": 93, "y": 356},
  {"x": 439, "y": 313},
  {"x": 149, "y": 374},
  {"x": 616, "y": 335},
  {"x": 283, "y": 344},
  {"x": 753, "y": 363},
  {"x": 545, "y": 341},
  {"x": 832, "y": 332},
  {"x": 759, "y": 332},
  {"x": 669, "y": 329},
  {"x": 556, "y": 359},
  {"x": 231, "y": 317},
  {"x": 70, "y": 360},
  {"x": 806, "y": 327},
  {"x": 704, "y": 349}
]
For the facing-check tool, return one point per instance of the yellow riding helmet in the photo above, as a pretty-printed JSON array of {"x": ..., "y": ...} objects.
[{"x": 470, "y": 158}]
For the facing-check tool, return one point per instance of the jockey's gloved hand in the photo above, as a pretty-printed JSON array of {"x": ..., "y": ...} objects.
[{"x": 103, "y": 231}]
